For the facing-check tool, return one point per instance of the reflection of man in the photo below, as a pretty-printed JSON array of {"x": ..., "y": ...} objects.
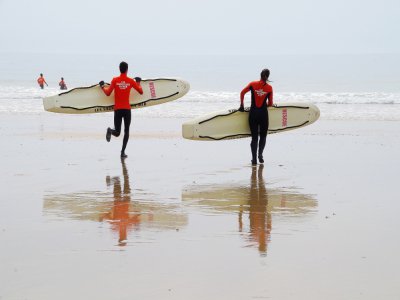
[
  {"x": 119, "y": 216},
  {"x": 259, "y": 216}
]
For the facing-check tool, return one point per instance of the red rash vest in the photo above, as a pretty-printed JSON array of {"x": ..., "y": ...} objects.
[
  {"x": 41, "y": 80},
  {"x": 122, "y": 86},
  {"x": 260, "y": 92}
]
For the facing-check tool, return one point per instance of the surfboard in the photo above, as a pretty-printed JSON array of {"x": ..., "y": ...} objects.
[
  {"x": 233, "y": 124},
  {"x": 91, "y": 99}
]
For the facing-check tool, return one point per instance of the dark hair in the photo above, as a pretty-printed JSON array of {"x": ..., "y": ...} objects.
[
  {"x": 123, "y": 67},
  {"x": 41, "y": 74},
  {"x": 62, "y": 78},
  {"x": 264, "y": 74}
]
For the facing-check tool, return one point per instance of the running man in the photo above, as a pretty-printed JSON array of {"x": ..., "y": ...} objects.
[
  {"x": 41, "y": 81},
  {"x": 261, "y": 91},
  {"x": 121, "y": 86},
  {"x": 62, "y": 84}
]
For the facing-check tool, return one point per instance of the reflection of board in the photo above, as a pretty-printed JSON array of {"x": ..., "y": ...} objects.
[
  {"x": 233, "y": 124},
  {"x": 86, "y": 100},
  {"x": 234, "y": 198},
  {"x": 93, "y": 206}
]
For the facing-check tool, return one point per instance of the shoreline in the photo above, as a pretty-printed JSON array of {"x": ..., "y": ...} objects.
[{"x": 181, "y": 218}]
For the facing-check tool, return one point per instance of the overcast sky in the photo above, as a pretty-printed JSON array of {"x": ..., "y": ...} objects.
[{"x": 200, "y": 26}]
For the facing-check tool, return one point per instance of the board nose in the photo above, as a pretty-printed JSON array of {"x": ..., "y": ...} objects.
[
  {"x": 48, "y": 103},
  {"x": 317, "y": 113},
  {"x": 187, "y": 131},
  {"x": 184, "y": 86},
  {"x": 314, "y": 113}
]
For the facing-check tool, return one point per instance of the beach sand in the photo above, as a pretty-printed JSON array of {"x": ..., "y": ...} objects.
[{"x": 180, "y": 219}]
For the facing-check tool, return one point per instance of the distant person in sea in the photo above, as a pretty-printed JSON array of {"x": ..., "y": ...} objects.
[
  {"x": 41, "y": 81},
  {"x": 121, "y": 86},
  {"x": 62, "y": 84},
  {"x": 261, "y": 92}
]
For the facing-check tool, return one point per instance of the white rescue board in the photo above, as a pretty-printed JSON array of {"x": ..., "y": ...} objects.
[
  {"x": 91, "y": 99},
  {"x": 233, "y": 124}
]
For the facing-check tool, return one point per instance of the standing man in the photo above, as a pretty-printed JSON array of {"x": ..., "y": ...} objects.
[
  {"x": 62, "y": 84},
  {"x": 41, "y": 81},
  {"x": 261, "y": 91},
  {"x": 121, "y": 86}
]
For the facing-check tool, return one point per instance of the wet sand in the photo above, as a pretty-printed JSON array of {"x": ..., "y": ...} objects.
[{"x": 193, "y": 220}]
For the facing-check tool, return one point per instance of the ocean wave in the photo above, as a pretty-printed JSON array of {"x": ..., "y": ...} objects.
[
  {"x": 377, "y": 106},
  {"x": 327, "y": 98},
  {"x": 32, "y": 92}
]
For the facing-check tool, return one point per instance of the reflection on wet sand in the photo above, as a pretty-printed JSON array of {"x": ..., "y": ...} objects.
[
  {"x": 254, "y": 202},
  {"x": 120, "y": 208},
  {"x": 259, "y": 216},
  {"x": 120, "y": 216}
]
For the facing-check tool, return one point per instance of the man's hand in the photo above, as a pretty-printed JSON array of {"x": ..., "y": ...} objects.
[
  {"x": 101, "y": 83},
  {"x": 241, "y": 108},
  {"x": 138, "y": 79}
]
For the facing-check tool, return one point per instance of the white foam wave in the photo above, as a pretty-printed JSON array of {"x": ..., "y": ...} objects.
[
  {"x": 328, "y": 98},
  {"x": 376, "y": 106}
]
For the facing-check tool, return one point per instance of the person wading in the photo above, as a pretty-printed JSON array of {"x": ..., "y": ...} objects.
[
  {"x": 41, "y": 81},
  {"x": 62, "y": 84},
  {"x": 121, "y": 86},
  {"x": 261, "y": 92}
]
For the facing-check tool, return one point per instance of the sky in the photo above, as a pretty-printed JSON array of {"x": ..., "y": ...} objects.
[
  {"x": 179, "y": 27},
  {"x": 311, "y": 45}
]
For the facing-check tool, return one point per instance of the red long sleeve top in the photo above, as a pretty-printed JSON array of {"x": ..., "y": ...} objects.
[
  {"x": 122, "y": 86},
  {"x": 260, "y": 93}
]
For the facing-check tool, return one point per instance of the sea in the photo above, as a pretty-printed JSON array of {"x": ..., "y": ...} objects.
[{"x": 344, "y": 87}]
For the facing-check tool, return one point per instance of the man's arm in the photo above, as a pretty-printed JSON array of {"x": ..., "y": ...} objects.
[
  {"x": 271, "y": 98},
  {"x": 137, "y": 86},
  {"x": 108, "y": 90},
  {"x": 242, "y": 93}
]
